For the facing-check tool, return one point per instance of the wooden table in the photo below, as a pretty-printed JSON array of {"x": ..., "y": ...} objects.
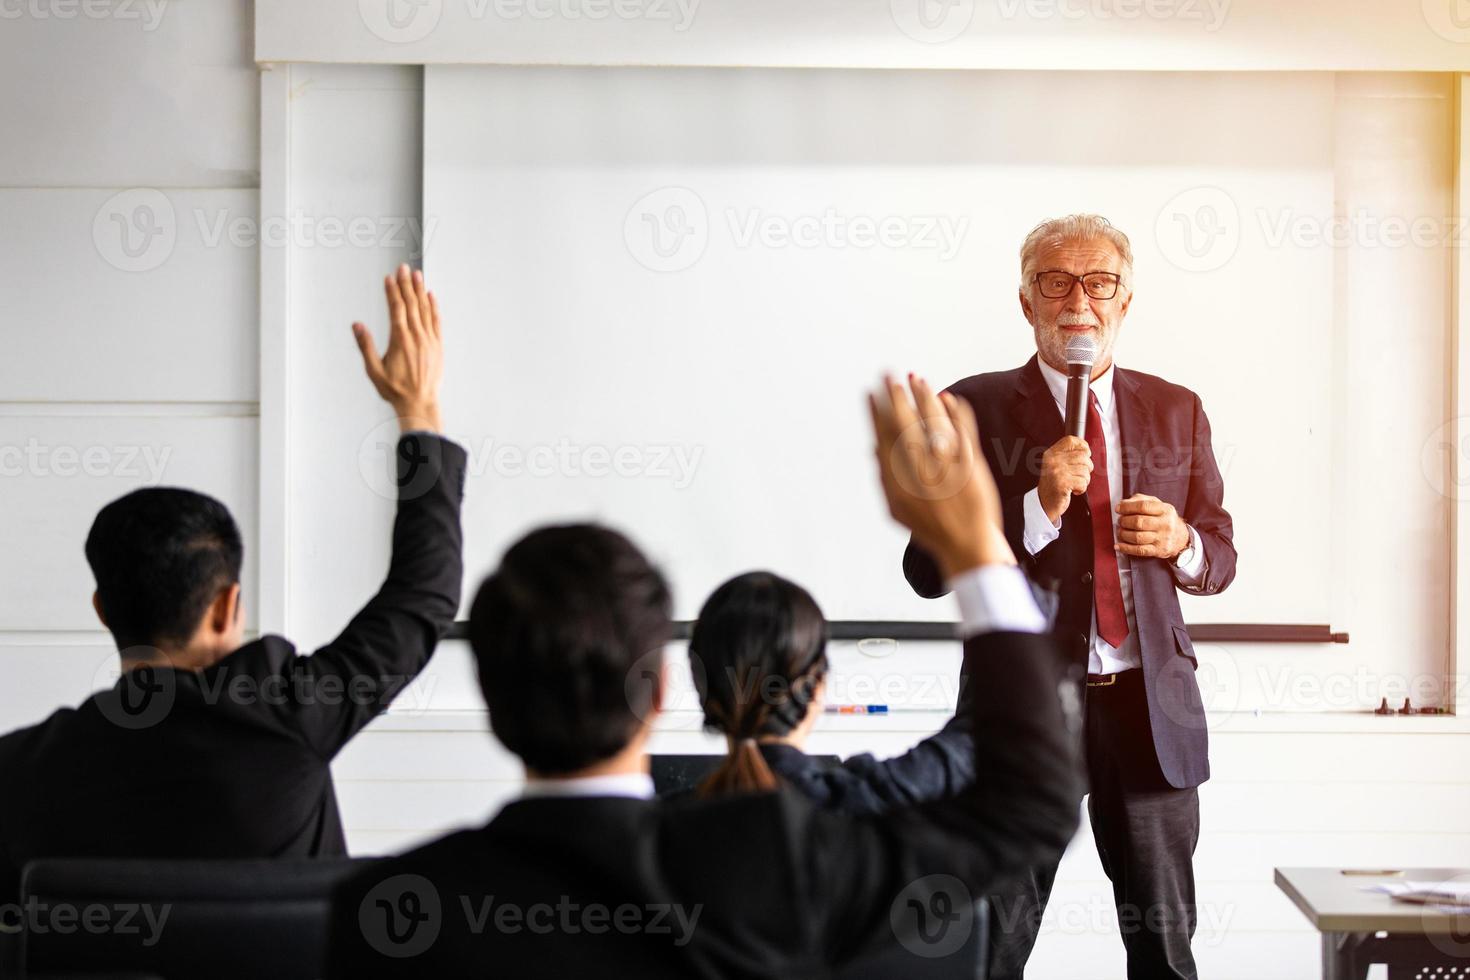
[{"x": 1360, "y": 928}]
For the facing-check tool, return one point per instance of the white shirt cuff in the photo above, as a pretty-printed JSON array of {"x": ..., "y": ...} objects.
[
  {"x": 995, "y": 598},
  {"x": 1191, "y": 571},
  {"x": 1039, "y": 530}
]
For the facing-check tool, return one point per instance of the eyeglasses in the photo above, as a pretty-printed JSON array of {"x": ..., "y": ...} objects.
[{"x": 1056, "y": 284}]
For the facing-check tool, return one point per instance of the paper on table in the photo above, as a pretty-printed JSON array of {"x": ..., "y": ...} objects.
[{"x": 1448, "y": 893}]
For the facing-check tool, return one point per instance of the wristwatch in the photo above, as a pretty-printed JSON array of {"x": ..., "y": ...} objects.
[{"x": 1187, "y": 555}]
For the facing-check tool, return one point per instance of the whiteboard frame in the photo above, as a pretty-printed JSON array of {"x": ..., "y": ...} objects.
[
  {"x": 274, "y": 500},
  {"x": 275, "y": 330}
]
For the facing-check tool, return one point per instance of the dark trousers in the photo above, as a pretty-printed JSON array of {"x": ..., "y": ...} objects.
[
  {"x": 1145, "y": 831},
  {"x": 1015, "y": 918}
]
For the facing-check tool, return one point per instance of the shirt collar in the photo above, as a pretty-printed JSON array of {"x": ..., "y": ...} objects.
[
  {"x": 1102, "y": 386},
  {"x": 636, "y": 785}
]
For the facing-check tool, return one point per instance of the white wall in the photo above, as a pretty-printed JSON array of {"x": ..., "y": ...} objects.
[
  {"x": 127, "y": 362},
  {"x": 108, "y": 106},
  {"x": 1125, "y": 35},
  {"x": 552, "y": 190}
]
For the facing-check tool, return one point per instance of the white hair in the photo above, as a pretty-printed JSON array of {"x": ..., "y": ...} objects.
[{"x": 1075, "y": 229}]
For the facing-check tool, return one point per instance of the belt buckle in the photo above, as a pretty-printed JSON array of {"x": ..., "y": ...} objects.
[{"x": 1111, "y": 680}]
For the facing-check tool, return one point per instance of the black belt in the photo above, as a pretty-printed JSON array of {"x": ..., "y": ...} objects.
[{"x": 1108, "y": 680}]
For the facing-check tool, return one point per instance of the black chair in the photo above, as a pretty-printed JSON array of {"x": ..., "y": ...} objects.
[
  {"x": 942, "y": 957},
  {"x": 179, "y": 920},
  {"x": 247, "y": 920}
]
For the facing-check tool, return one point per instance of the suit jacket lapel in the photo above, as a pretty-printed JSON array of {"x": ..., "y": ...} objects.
[
  {"x": 1135, "y": 420},
  {"x": 1034, "y": 409}
]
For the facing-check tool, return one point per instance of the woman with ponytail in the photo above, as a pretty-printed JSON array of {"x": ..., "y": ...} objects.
[
  {"x": 759, "y": 657},
  {"x": 759, "y": 654},
  {"x": 762, "y": 644}
]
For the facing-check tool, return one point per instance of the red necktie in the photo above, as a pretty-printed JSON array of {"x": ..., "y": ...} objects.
[{"x": 1107, "y": 585}]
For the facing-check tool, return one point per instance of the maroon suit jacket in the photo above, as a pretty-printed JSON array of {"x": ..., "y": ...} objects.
[{"x": 1166, "y": 453}]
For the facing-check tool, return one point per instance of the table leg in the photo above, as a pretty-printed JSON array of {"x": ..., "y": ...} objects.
[{"x": 1340, "y": 960}]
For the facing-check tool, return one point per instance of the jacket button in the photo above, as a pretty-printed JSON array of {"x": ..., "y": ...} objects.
[{"x": 1086, "y": 578}]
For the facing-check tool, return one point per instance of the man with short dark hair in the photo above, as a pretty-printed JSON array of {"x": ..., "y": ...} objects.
[
  {"x": 210, "y": 747},
  {"x": 588, "y": 875}
]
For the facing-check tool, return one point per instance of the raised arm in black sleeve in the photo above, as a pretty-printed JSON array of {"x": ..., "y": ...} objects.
[
  {"x": 1021, "y": 809},
  {"x": 331, "y": 695},
  {"x": 938, "y": 767}
]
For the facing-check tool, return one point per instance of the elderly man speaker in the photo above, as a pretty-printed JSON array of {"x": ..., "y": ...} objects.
[{"x": 1117, "y": 521}]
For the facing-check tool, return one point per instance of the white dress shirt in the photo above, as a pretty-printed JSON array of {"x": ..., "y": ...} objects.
[
  {"x": 635, "y": 785},
  {"x": 1039, "y": 531}
]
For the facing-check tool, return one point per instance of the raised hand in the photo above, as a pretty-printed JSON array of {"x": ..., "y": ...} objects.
[
  {"x": 407, "y": 374},
  {"x": 935, "y": 478}
]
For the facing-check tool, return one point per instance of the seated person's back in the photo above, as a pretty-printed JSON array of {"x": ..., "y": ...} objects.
[{"x": 207, "y": 746}]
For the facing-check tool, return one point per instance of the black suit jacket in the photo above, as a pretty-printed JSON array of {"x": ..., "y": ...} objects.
[
  {"x": 233, "y": 762},
  {"x": 779, "y": 887},
  {"x": 1166, "y": 453},
  {"x": 940, "y": 766}
]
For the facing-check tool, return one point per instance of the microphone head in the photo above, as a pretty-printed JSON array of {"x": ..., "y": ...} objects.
[{"x": 1081, "y": 349}]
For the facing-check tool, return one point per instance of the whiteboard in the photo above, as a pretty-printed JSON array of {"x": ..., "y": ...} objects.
[{"x": 668, "y": 289}]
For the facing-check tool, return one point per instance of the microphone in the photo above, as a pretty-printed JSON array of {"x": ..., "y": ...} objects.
[{"x": 1081, "y": 352}]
